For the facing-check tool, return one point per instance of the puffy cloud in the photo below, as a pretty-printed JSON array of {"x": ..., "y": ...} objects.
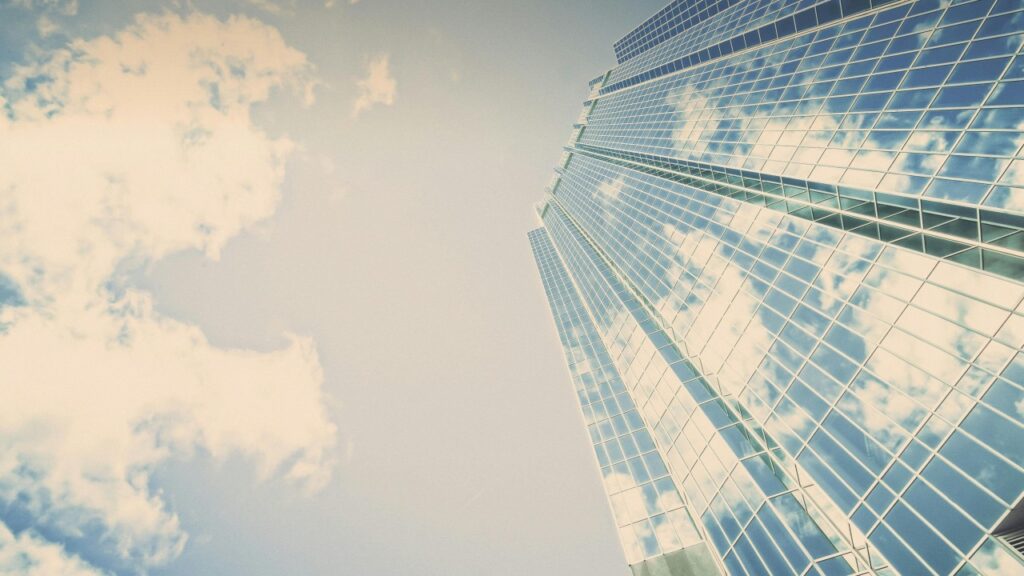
[
  {"x": 46, "y": 27},
  {"x": 32, "y": 556},
  {"x": 378, "y": 87},
  {"x": 118, "y": 151}
]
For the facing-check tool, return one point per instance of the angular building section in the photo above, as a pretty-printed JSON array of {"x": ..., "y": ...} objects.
[{"x": 784, "y": 250}]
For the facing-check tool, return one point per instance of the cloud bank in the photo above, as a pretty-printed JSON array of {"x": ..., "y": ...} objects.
[{"x": 118, "y": 151}]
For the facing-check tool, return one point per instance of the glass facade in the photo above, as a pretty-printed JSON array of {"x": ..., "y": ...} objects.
[{"x": 784, "y": 250}]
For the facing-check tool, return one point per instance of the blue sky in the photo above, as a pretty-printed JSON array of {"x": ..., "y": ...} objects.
[{"x": 278, "y": 313}]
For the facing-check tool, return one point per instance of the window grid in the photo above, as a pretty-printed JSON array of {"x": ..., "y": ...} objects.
[
  {"x": 770, "y": 248},
  {"x": 694, "y": 115},
  {"x": 566, "y": 190},
  {"x": 627, "y": 357}
]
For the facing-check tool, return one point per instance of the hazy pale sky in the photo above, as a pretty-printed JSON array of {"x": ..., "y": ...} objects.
[{"x": 275, "y": 310}]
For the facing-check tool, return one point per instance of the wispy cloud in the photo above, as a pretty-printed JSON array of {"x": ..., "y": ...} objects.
[
  {"x": 267, "y": 5},
  {"x": 67, "y": 7},
  {"x": 118, "y": 151},
  {"x": 378, "y": 87}
]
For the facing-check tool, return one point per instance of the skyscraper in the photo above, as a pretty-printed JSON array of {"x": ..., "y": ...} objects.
[{"x": 784, "y": 250}]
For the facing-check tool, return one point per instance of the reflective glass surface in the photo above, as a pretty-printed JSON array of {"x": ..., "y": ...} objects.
[{"x": 801, "y": 262}]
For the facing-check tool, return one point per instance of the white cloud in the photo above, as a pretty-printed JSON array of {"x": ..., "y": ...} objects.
[
  {"x": 32, "y": 556},
  {"x": 610, "y": 190},
  {"x": 378, "y": 87},
  {"x": 46, "y": 27},
  {"x": 118, "y": 151}
]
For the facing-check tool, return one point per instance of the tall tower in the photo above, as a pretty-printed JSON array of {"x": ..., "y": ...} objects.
[{"x": 784, "y": 250}]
